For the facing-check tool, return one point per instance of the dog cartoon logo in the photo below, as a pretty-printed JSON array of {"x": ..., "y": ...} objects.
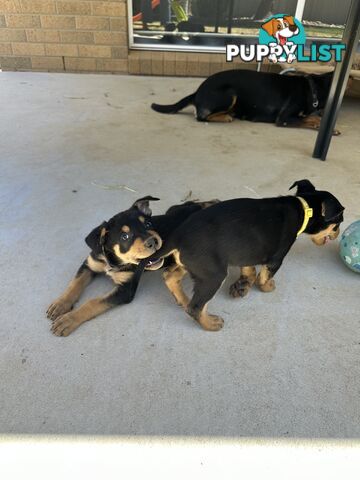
[
  {"x": 281, "y": 28},
  {"x": 282, "y": 39},
  {"x": 284, "y": 31}
]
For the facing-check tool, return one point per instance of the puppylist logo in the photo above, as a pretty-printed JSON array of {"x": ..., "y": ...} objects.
[{"x": 282, "y": 39}]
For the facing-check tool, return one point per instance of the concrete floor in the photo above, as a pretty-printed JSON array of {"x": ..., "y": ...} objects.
[{"x": 286, "y": 364}]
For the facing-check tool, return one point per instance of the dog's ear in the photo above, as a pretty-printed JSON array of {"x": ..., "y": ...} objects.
[
  {"x": 142, "y": 204},
  {"x": 269, "y": 27},
  {"x": 96, "y": 238},
  {"x": 331, "y": 208},
  {"x": 290, "y": 19},
  {"x": 303, "y": 186}
]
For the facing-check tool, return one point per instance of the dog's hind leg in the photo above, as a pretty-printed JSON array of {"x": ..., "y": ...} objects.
[
  {"x": 204, "y": 290},
  {"x": 72, "y": 293},
  {"x": 220, "y": 117},
  {"x": 217, "y": 108},
  {"x": 241, "y": 287}
]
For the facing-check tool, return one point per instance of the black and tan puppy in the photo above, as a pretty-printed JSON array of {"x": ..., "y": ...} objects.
[
  {"x": 287, "y": 101},
  {"x": 119, "y": 248},
  {"x": 244, "y": 232}
]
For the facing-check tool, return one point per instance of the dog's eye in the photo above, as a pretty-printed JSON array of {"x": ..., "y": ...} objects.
[
  {"x": 124, "y": 236},
  {"x": 279, "y": 27},
  {"x": 147, "y": 224}
]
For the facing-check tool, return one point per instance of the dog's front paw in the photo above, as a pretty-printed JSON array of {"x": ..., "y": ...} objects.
[
  {"x": 269, "y": 286},
  {"x": 240, "y": 288},
  {"x": 212, "y": 323},
  {"x": 58, "y": 307},
  {"x": 64, "y": 325},
  {"x": 336, "y": 132}
]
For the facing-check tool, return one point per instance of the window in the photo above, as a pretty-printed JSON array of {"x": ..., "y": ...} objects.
[{"x": 208, "y": 25}]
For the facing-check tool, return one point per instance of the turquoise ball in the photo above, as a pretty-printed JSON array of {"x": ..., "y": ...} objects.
[{"x": 350, "y": 246}]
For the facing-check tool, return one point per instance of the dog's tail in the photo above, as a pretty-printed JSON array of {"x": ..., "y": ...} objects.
[{"x": 176, "y": 107}]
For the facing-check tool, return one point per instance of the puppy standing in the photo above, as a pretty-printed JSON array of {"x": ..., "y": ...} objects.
[{"x": 245, "y": 233}]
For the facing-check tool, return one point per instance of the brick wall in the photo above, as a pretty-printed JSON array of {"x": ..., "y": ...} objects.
[
  {"x": 85, "y": 36},
  {"x": 182, "y": 64},
  {"x": 64, "y": 35}
]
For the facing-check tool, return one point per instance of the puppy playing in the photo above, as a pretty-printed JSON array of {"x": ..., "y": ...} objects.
[
  {"x": 286, "y": 100},
  {"x": 119, "y": 248},
  {"x": 244, "y": 232}
]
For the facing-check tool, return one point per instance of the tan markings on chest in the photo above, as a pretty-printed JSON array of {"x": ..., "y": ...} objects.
[{"x": 95, "y": 265}]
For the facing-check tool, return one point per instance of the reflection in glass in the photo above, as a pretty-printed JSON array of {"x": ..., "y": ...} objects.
[{"x": 211, "y": 24}]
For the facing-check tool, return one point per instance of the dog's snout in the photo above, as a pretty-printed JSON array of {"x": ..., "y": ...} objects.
[
  {"x": 151, "y": 242},
  {"x": 335, "y": 233}
]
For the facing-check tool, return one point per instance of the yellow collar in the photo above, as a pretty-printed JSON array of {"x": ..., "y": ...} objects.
[{"x": 308, "y": 213}]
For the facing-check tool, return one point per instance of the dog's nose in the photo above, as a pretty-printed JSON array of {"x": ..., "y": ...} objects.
[
  {"x": 293, "y": 28},
  {"x": 151, "y": 242}
]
